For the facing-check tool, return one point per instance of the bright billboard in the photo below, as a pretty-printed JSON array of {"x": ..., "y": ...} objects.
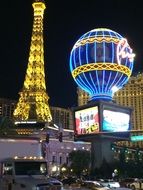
[{"x": 102, "y": 118}]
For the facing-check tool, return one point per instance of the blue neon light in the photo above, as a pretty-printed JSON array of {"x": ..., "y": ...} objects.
[{"x": 96, "y": 47}]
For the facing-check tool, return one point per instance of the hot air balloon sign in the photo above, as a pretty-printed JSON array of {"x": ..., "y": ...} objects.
[{"x": 101, "y": 62}]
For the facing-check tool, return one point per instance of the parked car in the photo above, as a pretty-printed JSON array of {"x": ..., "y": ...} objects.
[{"x": 94, "y": 185}]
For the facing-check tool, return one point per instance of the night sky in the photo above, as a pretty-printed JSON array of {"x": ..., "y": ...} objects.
[{"x": 64, "y": 22}]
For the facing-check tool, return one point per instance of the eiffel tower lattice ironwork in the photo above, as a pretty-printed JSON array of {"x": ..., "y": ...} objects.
[{"x": 33, "y": 101}]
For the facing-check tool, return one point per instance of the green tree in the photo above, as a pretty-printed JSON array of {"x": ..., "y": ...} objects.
[{"x": 80, "y": 161}]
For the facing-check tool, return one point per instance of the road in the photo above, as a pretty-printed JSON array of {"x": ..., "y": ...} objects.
[
  {"x": 82, "y": 188},
  {"x": 75, "y": 188}
]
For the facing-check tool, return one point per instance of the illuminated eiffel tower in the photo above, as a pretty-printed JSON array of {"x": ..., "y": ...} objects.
[{"x": 33, "y": 102}]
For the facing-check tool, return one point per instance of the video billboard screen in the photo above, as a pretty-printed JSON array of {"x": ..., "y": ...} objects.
[
  {"x": 102, "y": 119},
  {"x": 87, "y": 121},
  {"x": 115, "y": 121}
]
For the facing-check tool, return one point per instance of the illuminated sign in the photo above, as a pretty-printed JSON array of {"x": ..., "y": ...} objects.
[
  {"x": 115, "y": 121},
  {"x": 87, "y": 121},
  {"x": 101, "y": 62},
  {"x": 102, "y": 118},
  {"x": 137, "y": 138},
  {"x": 124, "y": 51}
]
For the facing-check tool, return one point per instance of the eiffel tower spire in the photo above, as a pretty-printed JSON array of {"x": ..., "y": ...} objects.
[{"x": 33, "y": 101}]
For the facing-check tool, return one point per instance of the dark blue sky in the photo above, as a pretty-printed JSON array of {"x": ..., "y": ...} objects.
[{"x": 64, "y": 22}]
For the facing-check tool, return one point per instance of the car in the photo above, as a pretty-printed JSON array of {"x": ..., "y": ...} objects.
[
  {"x": 56, "y": 184},
  {"x": 94, "y": 185},
  {"x": 136, "y": 184},
  {"x": 110, "y": 183},
  {"x": 69, "y": 180},
  {"x": 126, "y": 182}
]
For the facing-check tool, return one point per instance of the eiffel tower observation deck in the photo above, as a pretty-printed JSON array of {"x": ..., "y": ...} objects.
[{"x": 33, "y": 101}]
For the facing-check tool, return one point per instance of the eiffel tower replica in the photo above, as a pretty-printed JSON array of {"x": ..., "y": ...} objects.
[{"x": 33, "y": 101}]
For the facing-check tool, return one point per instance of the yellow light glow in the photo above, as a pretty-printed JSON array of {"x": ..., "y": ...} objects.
[{"x": 33, "y": 95}]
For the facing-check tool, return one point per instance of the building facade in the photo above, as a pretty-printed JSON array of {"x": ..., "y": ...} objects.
[
  {"x": 57, "y": 154},
  {"x": 62, "y": 117},
  {"x": 131, "y": 95},
  {"x": 7, "y": 107}
]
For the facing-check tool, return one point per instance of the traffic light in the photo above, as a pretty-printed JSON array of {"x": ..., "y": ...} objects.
[
  {"x": 61, "y": 137},
  {"x": 47, "y": 138}
]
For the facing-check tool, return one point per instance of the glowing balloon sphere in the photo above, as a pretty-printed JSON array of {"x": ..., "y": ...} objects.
[{"x": 101, "y": 62}]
